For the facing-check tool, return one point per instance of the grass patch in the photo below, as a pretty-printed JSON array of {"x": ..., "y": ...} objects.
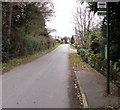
[
  {"x": 72, "y": 47},
  {"x": 76, "y": 60},
  {"x": 25, "y": 59}
]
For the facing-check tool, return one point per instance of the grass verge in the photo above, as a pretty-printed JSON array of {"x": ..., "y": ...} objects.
[
  {"x": 15, "y": 62},
  {"x": 76, "y": 61},
  {"x": 72, "y": 47}
]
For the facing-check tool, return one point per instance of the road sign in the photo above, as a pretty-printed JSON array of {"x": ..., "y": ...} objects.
[
  {"x": 102, "y": 13},
  {"x": 102, "y": 8},
  {"x": 102, "y": 5}
]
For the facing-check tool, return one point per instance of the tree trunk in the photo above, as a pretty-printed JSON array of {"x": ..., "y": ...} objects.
[{"x": 10, "y": 19}]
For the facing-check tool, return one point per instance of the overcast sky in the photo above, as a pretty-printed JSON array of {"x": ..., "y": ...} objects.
[{"x": 64, "y": 18}]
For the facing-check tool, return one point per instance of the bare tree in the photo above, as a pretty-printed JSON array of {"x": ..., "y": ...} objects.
[{"x": 85, "y": 20}]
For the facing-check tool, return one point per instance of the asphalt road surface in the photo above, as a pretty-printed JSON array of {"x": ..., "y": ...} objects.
[{"x": 42, "y": 83}]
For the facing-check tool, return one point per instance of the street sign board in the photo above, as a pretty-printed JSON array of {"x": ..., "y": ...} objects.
[
  {"x": 102, "y": 5},
  {"x": 101, "y": 13},
  {"x": 101, "y": 8}
]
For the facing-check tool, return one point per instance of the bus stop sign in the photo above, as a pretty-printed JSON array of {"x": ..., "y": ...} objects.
[{"x": 102, "y": 8}]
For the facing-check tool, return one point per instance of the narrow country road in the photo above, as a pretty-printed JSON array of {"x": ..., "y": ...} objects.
[{"x": 42, "y": 83}]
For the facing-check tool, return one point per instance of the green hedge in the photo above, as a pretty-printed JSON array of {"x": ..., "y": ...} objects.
[
  {"x": 27, "y": 46},
  {"x": 96, "y": 61}
]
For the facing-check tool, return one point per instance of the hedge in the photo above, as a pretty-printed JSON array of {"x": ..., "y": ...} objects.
[{"x": 97, "y": 62}]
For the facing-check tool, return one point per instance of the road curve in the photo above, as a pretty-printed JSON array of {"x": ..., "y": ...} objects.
[{"x": 42, "y": 83}]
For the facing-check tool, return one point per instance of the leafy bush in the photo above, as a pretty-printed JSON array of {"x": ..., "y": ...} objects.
[{"x": 99, "y": 63}]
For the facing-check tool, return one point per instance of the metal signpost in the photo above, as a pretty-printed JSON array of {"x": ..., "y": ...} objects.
[{"x": 103, "y": 10}]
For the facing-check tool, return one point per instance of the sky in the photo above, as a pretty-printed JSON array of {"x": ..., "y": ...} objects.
[{"x": 63, "y": 20}]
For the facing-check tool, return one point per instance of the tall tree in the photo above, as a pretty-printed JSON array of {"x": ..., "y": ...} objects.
[
  {"x": 72, "y": 40},
  {"x": 24, "y": 28}
]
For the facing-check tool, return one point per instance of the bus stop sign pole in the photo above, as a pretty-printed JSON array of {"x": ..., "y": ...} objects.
[
  {"x": 108, "y": 51},
  {"x": 103, "y": 10}
]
